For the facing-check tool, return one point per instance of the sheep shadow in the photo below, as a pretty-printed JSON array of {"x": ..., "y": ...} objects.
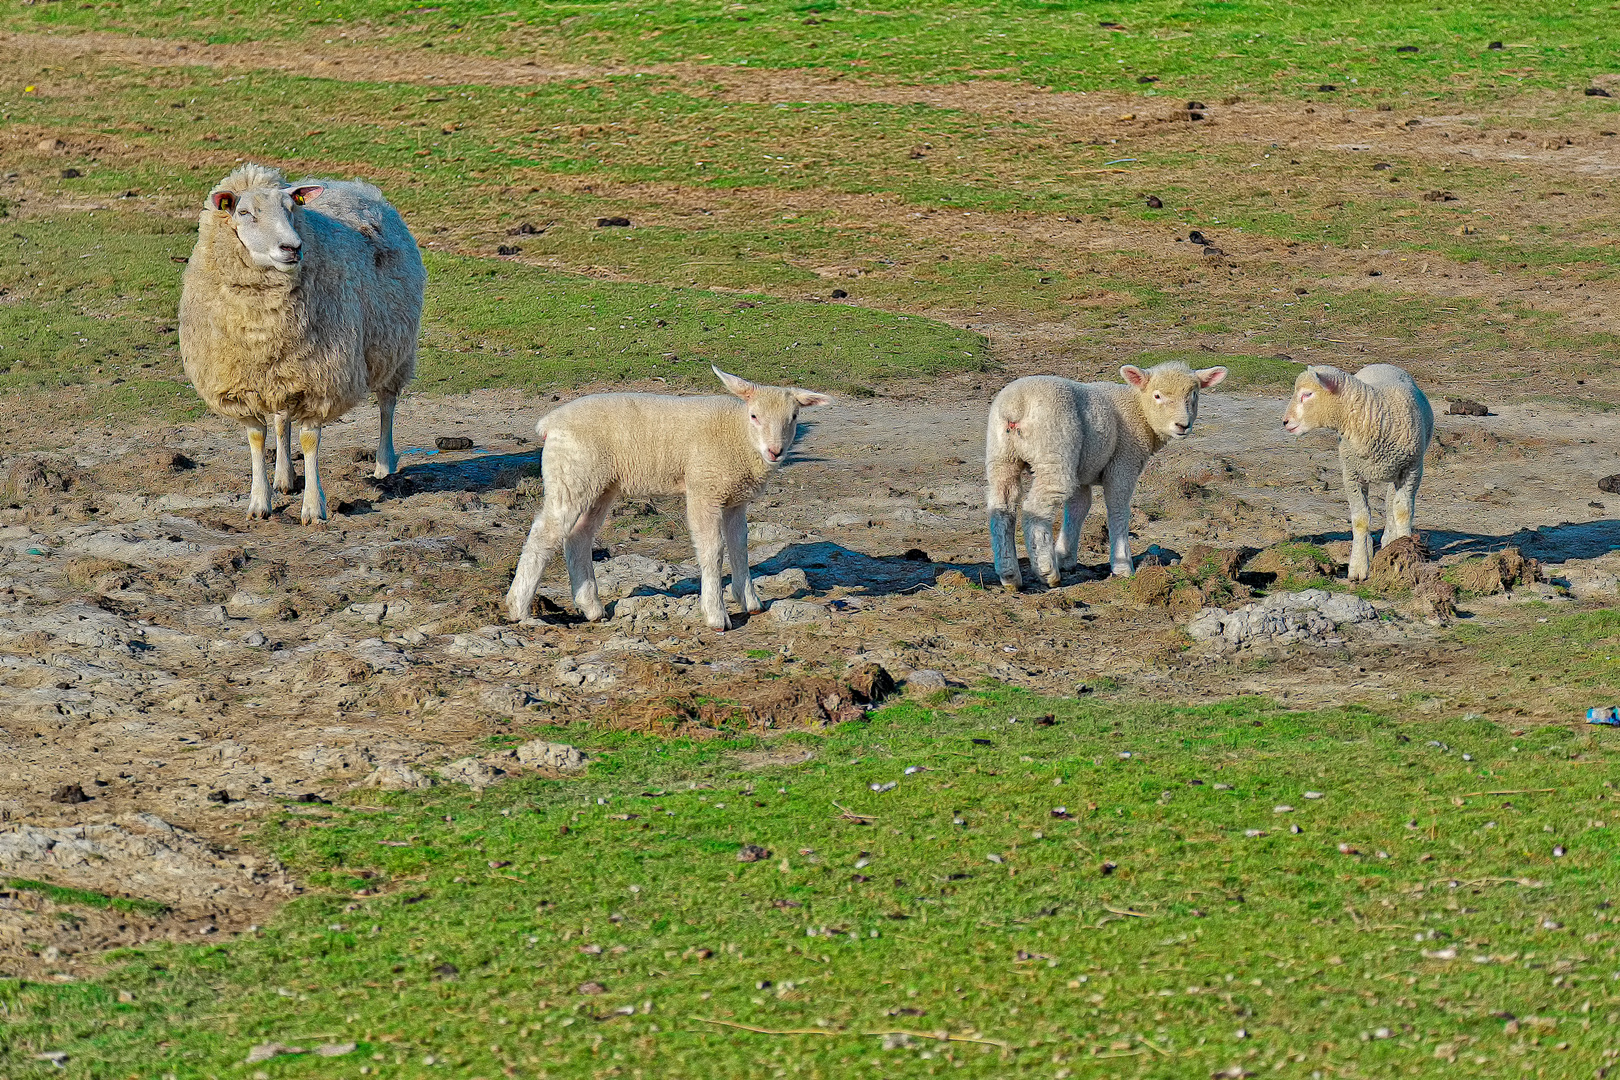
[
  {"x": 1545, "y": 543},
  {"x": 477, "y": 473},
  {"x": 829, "y": 565}
]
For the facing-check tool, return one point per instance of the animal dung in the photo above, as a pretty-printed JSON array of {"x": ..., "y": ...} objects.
[
  {"x": 839, "y": 294},
  {"x": 1327, "y": 88},
  {"x": 453, "y": 442},
  {"x": 1611, "y": 484},
  {"x": 612, "y": 223},
  {"x": 1466, "y": 407},
  {"x": 1406, "y": 48},
  {"x": 1591, "y": 91},
  {"x": 525, "y": 229},
  {"x": 1154, "y": 202},
  {"x": 508, "y": 249},
  {"x": 74, "y": 174},
  {"x": 752, "y": 853},
  {"x": 1195, "y": 106},
  {"x": 69, "y": 794}
]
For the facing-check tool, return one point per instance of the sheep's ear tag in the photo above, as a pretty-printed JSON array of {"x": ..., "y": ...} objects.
[
  {"x": 224, "y": 202},
  {"x": 303, "y": 195}
]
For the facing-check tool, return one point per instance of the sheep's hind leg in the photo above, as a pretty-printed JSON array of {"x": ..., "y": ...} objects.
[
  {"x": 259, "y": 494},
  {"x": 1117, "y": 493},
  {"x": 707, "y": 539},
  {"x": 1074, "y": 516},
  {"x": 283, "y": 454},
  {"x": 577, "y": 550},
  {"x": 1002, "y": 496},
  {"x": 551, "y": 525},
  {"x": 1360, "y": 528},
  {"x": 314, "y": 498},
  {"x": 1400, "y": 505},
  {"x": 387, "y": 458},
  {"x": 734, "y": 520}
]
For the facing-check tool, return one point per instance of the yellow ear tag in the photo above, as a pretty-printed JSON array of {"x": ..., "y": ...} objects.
[
  {"x": 226, "y": 203},
  {"x": 298, "y": 197}
]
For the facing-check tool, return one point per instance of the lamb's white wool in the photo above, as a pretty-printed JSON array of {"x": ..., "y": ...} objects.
[
  {"x": 298, "y": 299},
  {"x": 1384, "y": 424},
  {"x": 1066, "y": 436},
  {"x": 718, "y": 450}
]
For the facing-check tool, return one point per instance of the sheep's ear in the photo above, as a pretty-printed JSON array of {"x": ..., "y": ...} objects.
[
  {"x": 223, "y": 201},
  {"x": 1331, "y": 379},
  {"x": 741, "y": 387},
  {"x": 305, "y": 193},
  {"x": 1134, "y": 375},
  {"x": 808, "y": 398},
  {"x": 1208, "y": 377}
]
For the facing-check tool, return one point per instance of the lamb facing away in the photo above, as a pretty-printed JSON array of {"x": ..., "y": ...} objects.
[
  {"x": 1068, "y": 436},
  {"x": 1384, "y": 424},
  {"x": 297, "y": 299},
  {"x": 718, "y": 450}
]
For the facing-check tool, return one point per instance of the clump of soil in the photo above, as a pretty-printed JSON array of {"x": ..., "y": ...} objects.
[
  {"x": 1291, "y": 564},
  {"x": 1403, "y": 566},
  {"x": 1496, "y": 573},
  {"x": 794, "y": 702},
  {"x": 1206, "y": 577}
]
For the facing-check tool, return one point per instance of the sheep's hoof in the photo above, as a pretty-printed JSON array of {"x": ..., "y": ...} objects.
[
  {"x": 1124, "y": 571},
  {"x": 258, "y": 513},
  {"x": 1053, "y": 580},
  {"x": 1012, "y": 585},
  {"x": 313, "y": 517}
]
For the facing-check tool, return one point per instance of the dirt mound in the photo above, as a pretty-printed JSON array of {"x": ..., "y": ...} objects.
[
  {"x": 1403, "y": 567},
  {"x": 1290, "y": 564},
  {"x": 1205, "y": 577},
  {"x": 798, "y": 701},
  {"x": 1496, "y": 573}
]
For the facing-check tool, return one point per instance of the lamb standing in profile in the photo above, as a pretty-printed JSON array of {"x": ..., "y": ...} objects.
[
  {"x": 1068, "y": 436},
  {"x": 297, "y": 299},
  {"x": 1384, "y": 424},
  {"x": 717, "y": 450}
]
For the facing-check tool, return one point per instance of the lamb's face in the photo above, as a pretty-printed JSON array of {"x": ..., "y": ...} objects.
[
  {"x": 773, "y": 413},
  {"x": 265, "y": 222},
  {"x": 1169, "y": 395},
  {"x": 1311, "y": 405}
]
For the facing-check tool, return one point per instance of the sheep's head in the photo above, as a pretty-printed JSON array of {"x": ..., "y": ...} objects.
[
  {"x": 1169, "y": 394},
  {"x": 773, "y": 413},
  {"x": 1316, "y": 400},
  {"x": 260, "y": 209}
]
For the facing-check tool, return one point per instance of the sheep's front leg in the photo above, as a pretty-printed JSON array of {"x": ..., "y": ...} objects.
[
  {"x": 1355, "y": 492},
  {"x": 551, "y": 526},
  {"x": 309, "y": 438},
  {"x": 283, "y": 454},
  {"x": 734, "y": 520},
  {"x": 1118, "y": 490},
  {"x": 1074, "y": 516},
  {"x": 387, "y": 459},
  {"x": 705, "y": 524},
  {"x": 259, "y": 493},
  {"x": 581, "y": 570},
  {"x": 1400, "y": 506}
]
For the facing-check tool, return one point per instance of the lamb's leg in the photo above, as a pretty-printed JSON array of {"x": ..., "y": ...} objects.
[
  {"x": 1074, "y": 516},
  {"x": 1400, "y": 505},
  {"x": 1360, "y": 528},
  {"x": 387, "y": 459},
  {"x": 551, "y": 525},
  {"x": 1043, "y": 510},
  {"x": 704, "y": 522},
  {"x": 581, "y": 570},
  {"x": 1118, "y": 489},
  {"x": 309, "y": 438},
  {"x": 283, "y": 454},
  {"x": 734, "y": 520},
  {"x": 1001, "y": 493},
  {"x": 259, "y": 494}
]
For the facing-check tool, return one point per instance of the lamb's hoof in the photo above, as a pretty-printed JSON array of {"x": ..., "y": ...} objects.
[
  {"x": 595, "y": 616},
  {"x": 1053, "y": 580},
  {"x": 316, "y": 516},
  {"x": 1124, "y": 571},
  {"x": 383, "y": 472},
  {"x": 1012, "y": 585},
  {"x": 258, "y": 513}
]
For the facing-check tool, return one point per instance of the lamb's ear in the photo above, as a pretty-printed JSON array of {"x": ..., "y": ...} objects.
[
  {"x": 808, "y": 398},
  {"x": 306, "y": 193},
  {"x": 223, "y": 201},
  {"x": 1331, "y": 378},
  {"x": 1208, "y": 377},
  {"x": 1134, "y": 375},
  {"x": 741, "y": 387}
]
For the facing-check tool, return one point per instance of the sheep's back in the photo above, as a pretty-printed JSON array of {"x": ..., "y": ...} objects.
[
  {"x": 1060, "y": 423},
  {"x": 652, "y": 444},
  {"x": 1393, "y": 433}
]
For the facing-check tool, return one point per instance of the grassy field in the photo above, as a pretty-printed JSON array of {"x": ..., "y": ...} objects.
[{"x": 1064, "y": 887}]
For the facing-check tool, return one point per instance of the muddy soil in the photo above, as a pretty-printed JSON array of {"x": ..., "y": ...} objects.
[{"x": 188, "y": 670}]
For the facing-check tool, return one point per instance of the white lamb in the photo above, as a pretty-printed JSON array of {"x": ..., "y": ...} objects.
[
  {"x": 717, "y": 450},
  {"x": 1384, "y": 424},
  {"x": 1067, "y": 436},
  {"x": 297, "y": 299}
]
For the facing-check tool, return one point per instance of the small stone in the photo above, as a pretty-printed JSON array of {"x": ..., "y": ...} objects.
[
  {"x": 1313, "y": 794},
  {"x": 446, "y": 972},
  {"x": 1467, "y": 407},
  {"x": 255, "y": 639},
  {"x": 69, "y": 794},
  {"x": 752, "y": 853},
  {"x": 266, "y": 1051},
  {"x": 592, "y": 988},
  {"x": 953, "y": 579},
  {"x": 453, "y": 442},
  {"x": 924, "y": 681},
  {"x": 1610, "y": 484},
  {"x": 1282, "y": 809},
  {"x": 335, "y": 1049},
  {"x": 993, "y": 857},
  {"x": 551, "y": 755},
  {"x": 221, "y": 796}
]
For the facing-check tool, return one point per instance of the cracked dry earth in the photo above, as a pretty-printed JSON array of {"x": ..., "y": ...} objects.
[{"x": 183, "y": 671}]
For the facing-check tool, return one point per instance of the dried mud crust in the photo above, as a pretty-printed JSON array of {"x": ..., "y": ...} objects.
[{"x": 174, "y": 660}]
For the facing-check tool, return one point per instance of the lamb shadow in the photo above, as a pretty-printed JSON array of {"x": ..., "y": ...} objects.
[
  {"x": 477, "y": 473},
  {"x": 829, "y": 565},
  {"x": 1546, "y": 543}
]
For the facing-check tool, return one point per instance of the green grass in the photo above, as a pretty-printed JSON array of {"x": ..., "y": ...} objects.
[
  {"x": 1409, "y": 906},
  {"x": 1202, "y": 47},
  {"x": 66, "y": 897}
]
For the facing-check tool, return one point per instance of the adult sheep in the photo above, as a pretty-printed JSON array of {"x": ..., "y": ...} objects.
[
  {"x": 1066, "y": 436},
  {"x": 296, "y": 300}
]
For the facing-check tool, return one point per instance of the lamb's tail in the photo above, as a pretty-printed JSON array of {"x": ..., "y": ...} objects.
[{"x": 1004, "y": 463}]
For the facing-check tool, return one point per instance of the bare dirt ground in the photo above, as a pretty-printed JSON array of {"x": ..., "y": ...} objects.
[{"x": 162, "y": 656}]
